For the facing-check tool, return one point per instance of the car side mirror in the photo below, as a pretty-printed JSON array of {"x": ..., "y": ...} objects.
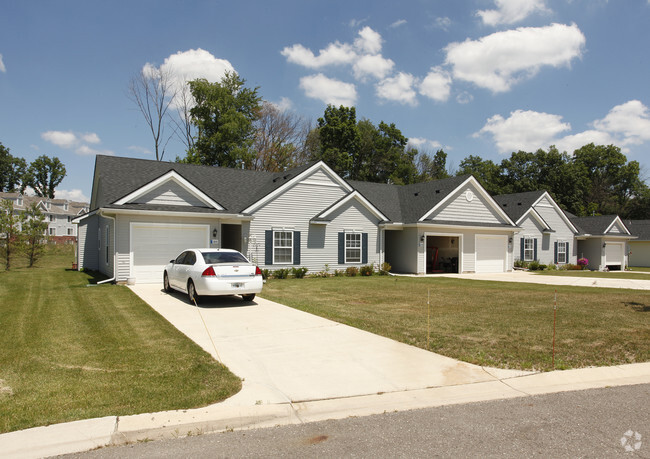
[{"x": 172, "y": 261}]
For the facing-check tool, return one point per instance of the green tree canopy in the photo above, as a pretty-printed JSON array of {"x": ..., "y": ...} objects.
[
  {"x": 44, "y": 175},
  {"x": 223, "y": 114},
  {"x": 12, "y": 171}
]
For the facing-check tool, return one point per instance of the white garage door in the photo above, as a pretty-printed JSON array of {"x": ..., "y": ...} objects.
[
  {"x": 614, "y": 254},
  {"x": 153, "y": 245},
  {"x": 491, "y": 253}
]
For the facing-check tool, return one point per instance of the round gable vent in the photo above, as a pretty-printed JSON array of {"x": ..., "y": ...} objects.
[{"x": 469, "y": 195}]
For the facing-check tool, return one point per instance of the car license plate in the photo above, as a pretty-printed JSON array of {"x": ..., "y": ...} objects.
[{"x": 237, "y": 285}]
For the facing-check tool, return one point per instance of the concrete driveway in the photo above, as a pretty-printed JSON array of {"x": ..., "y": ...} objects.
[{"x": 285, "y": 355}]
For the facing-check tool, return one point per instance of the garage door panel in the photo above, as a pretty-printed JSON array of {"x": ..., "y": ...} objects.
[
  {"x": 154, "y": 245},
  {"x": 491, "y": 253},
  {"x": 614, "y": 253}
]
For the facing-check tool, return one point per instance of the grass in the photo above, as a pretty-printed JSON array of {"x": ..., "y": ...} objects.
[
  {"x": 69, "y": 352},
  {"x": 506, "y": 325},
  {"x": 640, "y": 269},
  {"x": 597, "y": 274}
]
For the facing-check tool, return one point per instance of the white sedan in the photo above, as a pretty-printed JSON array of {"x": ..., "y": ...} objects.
[{"x": 209, "y": 272}]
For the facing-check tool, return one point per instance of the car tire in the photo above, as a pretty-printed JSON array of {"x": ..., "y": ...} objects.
[
  {"x": 250, "y": 297},
  {"x": 191, "y": 293},
  {"x": 166, "y": 285}
]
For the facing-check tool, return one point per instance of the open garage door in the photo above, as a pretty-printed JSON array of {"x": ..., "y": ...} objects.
[
  {"x": 491, "y": 253},
  {"x": 154, "y": 244}
]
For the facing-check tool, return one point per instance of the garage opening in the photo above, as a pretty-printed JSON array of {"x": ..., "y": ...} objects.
[
  {"x": 442, "y": 254},
  {"x": 231, "y": 236}
]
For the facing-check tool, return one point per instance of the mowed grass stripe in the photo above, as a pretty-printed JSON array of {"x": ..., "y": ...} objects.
[
  {"x": 71, "y": 352},
  {"x": 507, "y": 325}
]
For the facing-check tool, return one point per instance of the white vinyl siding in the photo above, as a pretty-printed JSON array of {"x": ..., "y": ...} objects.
[
  {"x": 561, "y": 232},
  {"x": 282, "y": 247},
  {"x": 170, "y": 193},
  {"x": 459, "y": 209}
]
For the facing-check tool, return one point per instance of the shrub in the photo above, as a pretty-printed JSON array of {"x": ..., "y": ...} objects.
[
  {"x": 338, "y": 272},
  {"x": 583, "y": 262},
  {"x": 534, "y": 265},
  {"x": 367, "y": 270},
  {"x": 351, "y": 271},
  {"x": 551, "y": 267},
  {"x": 384, "y": 269},
  {"x": 299, "y": 273},
  {"x": 266, "y": 273},
  {"x": 281, "y": 273},
  {"x": 521, "y": 264}
]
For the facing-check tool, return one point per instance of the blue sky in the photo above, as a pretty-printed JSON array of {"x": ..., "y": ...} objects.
[{"x": 474, "y": 77}]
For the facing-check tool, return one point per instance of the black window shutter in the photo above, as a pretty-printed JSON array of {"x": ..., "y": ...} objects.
[
  {"x": 341, "y": 248},
  {"x": 535, "y": 249},
  {"x": 364, "y": 248},
  {"x": 268, "y": 247},
  {"x": 567, "y": 252},
  {"x": 522, "y": 240},
  {"x": 555, "y": 252},
  {"x": 296, "y": 247}
]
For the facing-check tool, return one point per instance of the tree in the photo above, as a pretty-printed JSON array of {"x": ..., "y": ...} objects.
[
  {"x": 12, "y": 171},
  {"x": 152, "y": 90},
  {"x": 431, "y": 168},
  {"x": 485, "y": 171},
  {"x": 184, "y": 129},
  {"x": 9, "y": 229},
  {"x": 224, "y": 114},
  {"x": 33, "y": 229},
  {"x": 44, "y": 175},
  {"x": 280, "y": 139},
  {"x": 339, "y": 139}
]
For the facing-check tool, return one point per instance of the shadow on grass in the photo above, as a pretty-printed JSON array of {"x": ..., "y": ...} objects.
[
  {"x": 93, "y": 276},
  {"x": 639, "y": 307},
  {"x": 212, "y": 302}
]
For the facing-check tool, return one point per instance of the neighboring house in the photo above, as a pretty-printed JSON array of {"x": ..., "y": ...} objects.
[
  {"x": 143, "y": 213},
  {"x": 58, "y": 213},
  {"x": 547, "y": 235},
  {"x": 603, "y": 241},
  {"x": 639, "y": 248}
]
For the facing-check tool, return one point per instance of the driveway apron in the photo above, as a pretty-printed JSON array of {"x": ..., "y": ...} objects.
[{"x": 286, "y": 355}]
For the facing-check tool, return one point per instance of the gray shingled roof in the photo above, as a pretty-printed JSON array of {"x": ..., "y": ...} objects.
[
  {"x": 233, "y": 189},
  {"x": 639, "y": 228},
  {"x": 517, "y": 204},
  {"x": 596, "y": 225}
]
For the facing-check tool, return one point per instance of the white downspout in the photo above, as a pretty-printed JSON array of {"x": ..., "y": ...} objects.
[{"x": 101, "y": 214}]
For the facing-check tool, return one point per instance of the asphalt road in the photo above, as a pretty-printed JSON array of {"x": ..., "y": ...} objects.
[{"x": 590, "y": 423}]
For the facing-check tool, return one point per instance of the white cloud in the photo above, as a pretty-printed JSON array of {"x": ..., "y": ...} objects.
[
  {"x": 500, "y": 60},
  {"x": 196, "y": 63},
  {"x": 630, "y": 121},
  {"x": 285, "y": 104},
  {"x": 401, "y": 22},
  {"x": 442, "y": 23},
  {"x": 71, "y": 195},
  {"x": 335, "y": 54},
  {"x": 372, "y": 65},
  {"x": 398, "y": 89},
  {"x": 139, "y": 150},
  {"x": 436, "y": 85},
  {"x": 464, "y": 98},
  {"x": 62, "y": 139},
  {"x": 422, "y": 143},
  {"x": 511, "y": 11},
  {"x": 328, "y": 90},
  {"x": 570, "y": 143},
  {"x": 523, "y": 130},
  {"x": 369, "y": 41},
  {"x": 3, "y": 69},
  {"x": 76, "y": 142}
]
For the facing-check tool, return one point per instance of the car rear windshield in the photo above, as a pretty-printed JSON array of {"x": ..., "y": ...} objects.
[{"x": 213, "y": 258}]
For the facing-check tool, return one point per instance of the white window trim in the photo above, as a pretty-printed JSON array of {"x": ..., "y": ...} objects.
[
  {"x": 290, "y": 262},
  {"x": 562, "y": 244},
  {"x": 346, "y": 247},
  {"x": 531, "y": 250}
]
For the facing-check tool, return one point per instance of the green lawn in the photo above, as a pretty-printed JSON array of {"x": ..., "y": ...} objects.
[
  {"x": 68, "y": 351},
  {"x": 598, "y": 274},
  {"x": 507, "y": 325},
  {"x": 640, "y": 269}
]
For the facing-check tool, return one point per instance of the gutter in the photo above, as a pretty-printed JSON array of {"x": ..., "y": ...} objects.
[{"x": 112, "y": 279}]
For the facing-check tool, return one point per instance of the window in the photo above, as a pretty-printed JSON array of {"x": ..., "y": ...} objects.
[
  {"x": 213, "y": 258},
  {"x": 65, "y": 206},
  {"x": 52, "y": 231},
  {"x": 70, "y": 233},
  {"x": 19, "y": 202},
  {"x": 562, "y": 252},
  {"x": 69, "y": 219},
  {"x": 282, "y": 247},
  {"x": 529, "y": 249},
  {"x": 353, "y": 247},
  {"x": 51, "y": 217}
]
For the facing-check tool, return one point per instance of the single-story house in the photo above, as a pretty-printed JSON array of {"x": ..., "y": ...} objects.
[
  {"x": 639, "y": 248},
  {"x": 547, "y": 234},
  {"x": 603, "y": 241},
  {"x": 143, "y": 213}
]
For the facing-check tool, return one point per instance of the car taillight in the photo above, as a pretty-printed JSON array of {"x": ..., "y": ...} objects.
[
  {"x": 209, "y": 272},
  {"x": 258, "y": 271}
]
